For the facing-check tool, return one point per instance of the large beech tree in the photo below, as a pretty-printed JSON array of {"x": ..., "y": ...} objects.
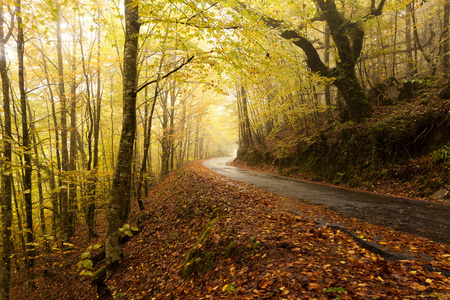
[{"x": 348, "y": 37}]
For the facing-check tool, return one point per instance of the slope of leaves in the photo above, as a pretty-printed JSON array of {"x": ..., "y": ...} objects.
[{"x": 254, "y": 250}]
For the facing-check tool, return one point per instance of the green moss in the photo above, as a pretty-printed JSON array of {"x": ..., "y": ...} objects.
[
  {"x": 200, "y": 258},
  {"x": 99, "y": 275}
]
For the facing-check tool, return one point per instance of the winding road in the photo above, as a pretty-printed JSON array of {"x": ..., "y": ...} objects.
[{"x": 426, "y": 219}]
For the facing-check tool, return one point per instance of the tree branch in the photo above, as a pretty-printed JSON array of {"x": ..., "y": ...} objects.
[
  {"x": 312, "y": 56},
  {"x": 208, "y": 26},
  {"x": 165, "y": 76},
  {"x": 201, "y": 12},
  {"x": 10, "y": 28},
  {"x": 376, "y": 11}
]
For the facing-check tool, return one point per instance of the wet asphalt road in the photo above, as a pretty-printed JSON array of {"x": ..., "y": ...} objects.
[{"x": 422, "y": 218}]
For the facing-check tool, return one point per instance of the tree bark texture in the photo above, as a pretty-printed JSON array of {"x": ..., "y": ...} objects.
[
  {"x": 165, "y": 142},
  {"x": 119, "y": 205}
]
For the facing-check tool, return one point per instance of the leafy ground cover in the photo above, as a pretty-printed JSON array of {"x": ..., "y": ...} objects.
[{"x": 207, "y": 237}]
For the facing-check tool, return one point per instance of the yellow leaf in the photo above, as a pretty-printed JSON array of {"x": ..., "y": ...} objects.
[
  {"x": 224, "y": 287},
  {"x": 362, "y": 284},
  {"x": 429, "y": 281}
]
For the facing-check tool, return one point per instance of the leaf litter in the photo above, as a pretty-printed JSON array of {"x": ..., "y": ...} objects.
[{"x": 246, "y": 243}]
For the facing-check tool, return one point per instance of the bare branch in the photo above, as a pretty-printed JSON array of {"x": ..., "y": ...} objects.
[
  {"x": 376, "y": 12},
  {"x": 165, "y": 76},
  {"x": 11, "y": 27}
]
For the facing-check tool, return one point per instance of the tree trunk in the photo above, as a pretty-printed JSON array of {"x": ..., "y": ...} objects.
[
  {"x": 173, "y": 98},
  {"x": 394, "y": 51},
  {"x": 55, "y": 211},
  {"x": 357, "y": 107},
  {"x": 446, "y": 40},
  {"x": 64, "y": 204},
  {"x": 411, "y": 69},
  {"x": 246, "y": 134},
  {"x": 73, "y": 145},
  {"x": 27, "y": 183},
  {"x": 165, "y": 139},
  {"x": 6, "y": 199},
  {"x": 119, "y": 205},
  {"x": 38, "y": 173},
  {"x": 182, "y": 146},
  {"x": 327, "y": 87},
  {"x": 147, "y": 135},
  {"x": 91, "y": 129}
]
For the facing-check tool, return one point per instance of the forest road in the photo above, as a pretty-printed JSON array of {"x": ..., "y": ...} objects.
[{"x": 426, "y": 219}]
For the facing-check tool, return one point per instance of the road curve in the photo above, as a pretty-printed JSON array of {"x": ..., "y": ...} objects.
[{"x": 426, "y": 219}]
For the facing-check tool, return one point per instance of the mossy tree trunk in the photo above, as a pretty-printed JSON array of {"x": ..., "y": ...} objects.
[
  {"x": 348, "y": 37},
  {"x": 119, "y": 205}
]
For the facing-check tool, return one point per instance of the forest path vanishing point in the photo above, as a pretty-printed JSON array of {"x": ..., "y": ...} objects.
[{"x": 425, "y": 219}]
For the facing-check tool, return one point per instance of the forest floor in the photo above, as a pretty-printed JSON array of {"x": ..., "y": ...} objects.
[{"x": 245, "y": 243}]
